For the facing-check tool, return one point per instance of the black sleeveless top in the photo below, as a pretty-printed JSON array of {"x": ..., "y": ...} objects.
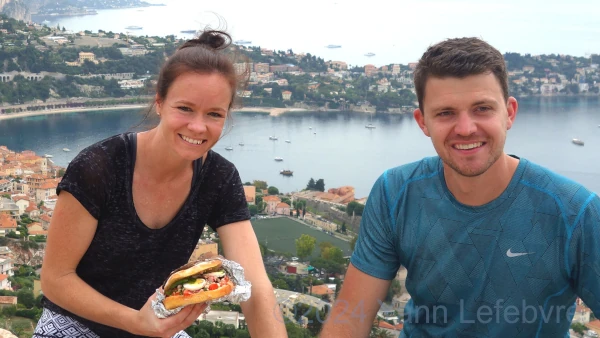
[{"x": 127, "y": 261}]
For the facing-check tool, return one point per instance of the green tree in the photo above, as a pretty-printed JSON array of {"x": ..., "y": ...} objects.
[
  {"x": 343, "y": 227},
  {"x": 25, "y": 297},
  {"x": 579, "y": 328},
  {"x": 355, "y": 208},
  {"x": 286, "y": 201},
  {"x": 311, "y": 184},
  {"x": 320, "y": 185},
  {"x": 262, "y": 185},
  {"x": 253, "y": 209},
  {"x": 273, "y": 190},
  {"x": 305, "y": 246},
  {"x": 324, "y": 246}
]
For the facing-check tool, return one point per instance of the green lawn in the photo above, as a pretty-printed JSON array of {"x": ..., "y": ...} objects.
[{"x": 281, "y": 233}]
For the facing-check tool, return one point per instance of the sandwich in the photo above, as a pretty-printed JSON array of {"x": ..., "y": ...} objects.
[{"x": 197, "y": 282}]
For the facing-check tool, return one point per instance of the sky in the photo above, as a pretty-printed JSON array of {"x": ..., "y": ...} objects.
[{"x": 396, "y": 31}]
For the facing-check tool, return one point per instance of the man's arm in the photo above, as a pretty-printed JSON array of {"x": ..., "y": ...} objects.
[
  {"x": 585, "y": 254},
  {"x": 357, "y": 304}
]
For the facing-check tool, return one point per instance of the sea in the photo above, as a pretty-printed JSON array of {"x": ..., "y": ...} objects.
[
  {"x": 336, "y": 146},
  {"x": 396, "y": 32}
]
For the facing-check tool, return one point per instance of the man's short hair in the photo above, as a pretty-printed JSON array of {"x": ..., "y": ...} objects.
[{"x": 459, "y": 58}]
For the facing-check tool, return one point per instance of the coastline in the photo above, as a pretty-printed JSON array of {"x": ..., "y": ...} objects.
[
  {"x": 67, "y": 110},
  {"x": 263, "y": 110}
]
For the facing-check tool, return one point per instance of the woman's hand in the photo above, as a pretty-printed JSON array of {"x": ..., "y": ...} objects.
[{"x": 148, "y": 324}]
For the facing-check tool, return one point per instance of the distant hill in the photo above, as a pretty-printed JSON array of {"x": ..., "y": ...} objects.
[{"x": 24, "y": 9}]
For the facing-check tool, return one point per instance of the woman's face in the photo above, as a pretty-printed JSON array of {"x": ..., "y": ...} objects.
[{"x": 193, "y": 113}]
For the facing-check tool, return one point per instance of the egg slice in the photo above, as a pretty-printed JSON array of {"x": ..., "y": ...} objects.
[{"x": 195, "y": 286}]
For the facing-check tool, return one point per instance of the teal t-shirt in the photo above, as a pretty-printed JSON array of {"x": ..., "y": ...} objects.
[{"x": 510, "y": 268}]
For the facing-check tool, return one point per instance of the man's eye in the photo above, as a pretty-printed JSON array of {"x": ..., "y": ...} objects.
[
  {"x": 444, "y": 113},
  {"x": 483, "y": 109}
]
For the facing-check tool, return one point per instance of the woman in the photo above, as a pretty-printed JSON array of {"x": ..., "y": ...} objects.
[{"x": 131, "y": 209}]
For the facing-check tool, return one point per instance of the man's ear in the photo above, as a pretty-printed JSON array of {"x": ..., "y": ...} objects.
[
  {"x": 420, "y": 118},
  {"x": 511, "y": 108}
]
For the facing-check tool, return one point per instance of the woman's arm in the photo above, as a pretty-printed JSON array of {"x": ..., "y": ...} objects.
[
  {"x": 71, "y": 231},
  {"x": 262, "y": 312}
]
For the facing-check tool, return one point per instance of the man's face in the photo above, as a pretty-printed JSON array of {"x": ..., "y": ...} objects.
[{"x": 467, "y": 120}]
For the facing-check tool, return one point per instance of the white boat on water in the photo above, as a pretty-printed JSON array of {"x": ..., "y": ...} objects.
[
  {"x": 278, "y": 159},
  {"x": 228, "y": 148},
  {"x": 66, "y": 149},
  {"x": 273, "y": 138},
  {"x": 577, "y": 141},
  {"x": 242, "y": 144},
  {"x": 370, "y": 126},
  {"x": 288, "y": 141},
  {"x": 48, "y": 156}
]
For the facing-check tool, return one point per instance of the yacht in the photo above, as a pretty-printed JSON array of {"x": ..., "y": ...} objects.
[
  {"x": 134, "y": 27},
  {"x": 288, "y": 141},
  {"x": 228, "y": 148},
  {"x": 273, "y": 138},
  {"x": 370, "y": 126},
  {"x": 286, "y": 173},
  {"x": 66, "y": 149},
  {"x": 333, "y": 46},
  {"x": 189, "y": 31},
  {"x": 242, "y": 144},
  {"x": 278, "y": 159},
  {"x": 370, "y": 54},
  {"x": 577, "y": 142},
  {"x": 242, "y": 42},
  {"x": 48, "y": 156}
]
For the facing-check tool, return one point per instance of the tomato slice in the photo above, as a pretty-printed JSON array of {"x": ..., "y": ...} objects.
[
  {"x": 213, "y": 286},
  {"x": 187, "y": 293}
]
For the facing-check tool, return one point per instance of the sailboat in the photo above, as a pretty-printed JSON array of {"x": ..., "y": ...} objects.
[{"x": 370, "y": 125}]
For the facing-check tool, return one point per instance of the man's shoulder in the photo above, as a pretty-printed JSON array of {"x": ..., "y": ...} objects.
[
  {"x": 425, "y": 168},
  {"x": 568, "y": 194}
]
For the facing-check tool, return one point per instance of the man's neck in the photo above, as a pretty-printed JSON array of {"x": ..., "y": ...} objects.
[{"x": 482, "y": 189}]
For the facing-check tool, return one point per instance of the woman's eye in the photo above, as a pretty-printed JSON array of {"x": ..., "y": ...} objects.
[
  {"x": 215, "y": 114},
  {"x": 185, "y": 109}
]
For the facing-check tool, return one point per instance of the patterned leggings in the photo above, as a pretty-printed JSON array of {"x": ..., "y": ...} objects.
[{"x": 54, "y": 325}]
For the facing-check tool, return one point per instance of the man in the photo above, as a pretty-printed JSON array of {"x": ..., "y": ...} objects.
[{"x": 494, "y": 245}]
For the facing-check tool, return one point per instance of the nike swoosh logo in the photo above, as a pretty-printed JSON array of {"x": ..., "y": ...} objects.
[{"x": 517, "y": 254}]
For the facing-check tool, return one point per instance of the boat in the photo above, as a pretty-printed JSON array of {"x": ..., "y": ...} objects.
[
  {"x": 370, "y": 126},
  {"x": 66, "y": 149},
  {"x": 309, "y": 127},
  {"x": 241, "y": 144},
  {"x": 228, "y": 148},
  {"x": 333, "y": 46},
  {"x": 288, "y": 141},
  {"x": 189, "y": 31},
  {"x": 286, "y": 173},
  {"x": 48, "y": 156},
  {"x": 577, "y": 141},
  {"x": 134, "y": 27},
  {"x": 242, "y": 42},
  {"x": 278, "y": 159},
  {"x": 273, "y": 138},
  {"x": 370, "y": 54}
]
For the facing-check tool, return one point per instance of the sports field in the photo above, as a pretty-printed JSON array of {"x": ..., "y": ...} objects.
[{"x": 281, "y": 233}]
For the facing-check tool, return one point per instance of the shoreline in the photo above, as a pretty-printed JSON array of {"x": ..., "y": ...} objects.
[
  {"x": 264, "y": 110},
  {"x": 67, "y": 110}
]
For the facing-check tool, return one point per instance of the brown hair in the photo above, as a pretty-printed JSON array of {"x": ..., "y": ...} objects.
[
  {"x": 460, "y": 58},
  {"x": 205, "y": 54}
]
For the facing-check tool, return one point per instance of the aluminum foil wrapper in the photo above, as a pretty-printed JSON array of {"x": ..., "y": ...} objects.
[{"x": 241, "y": 292}]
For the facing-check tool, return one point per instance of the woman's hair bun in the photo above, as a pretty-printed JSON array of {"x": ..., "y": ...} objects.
[{"x": 211, "y": 39}]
